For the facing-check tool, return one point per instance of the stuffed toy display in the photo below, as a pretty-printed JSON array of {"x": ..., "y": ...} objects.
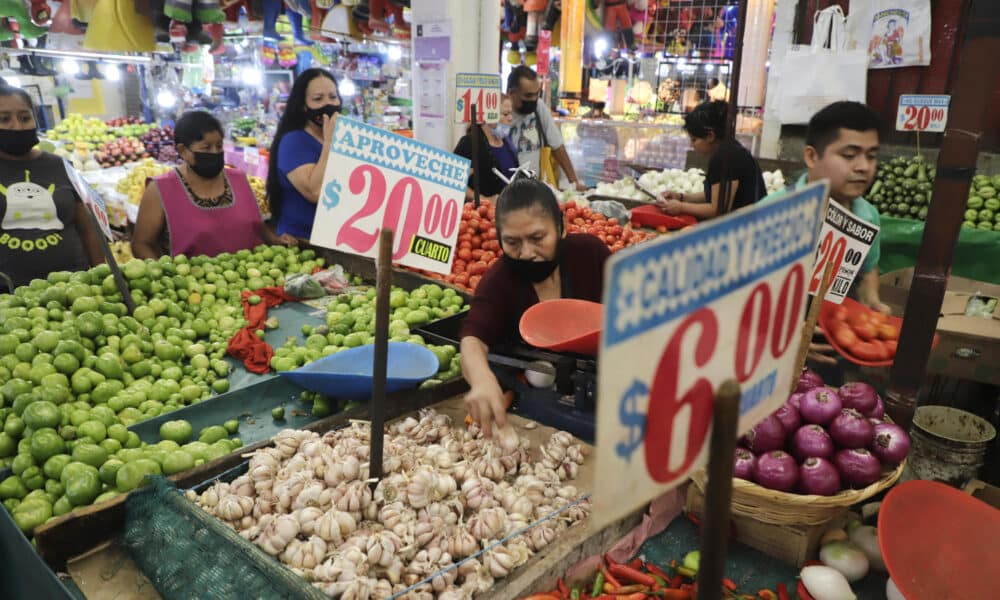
[
  {"x": 638, "y": 11},
  {"x": 380, "y": 10},
  {"x": 617, "y": 19},
  {"x": 21, "y": 20},
  {"x": 190, "y": 16},
  {"x": 296, "y": 10}
]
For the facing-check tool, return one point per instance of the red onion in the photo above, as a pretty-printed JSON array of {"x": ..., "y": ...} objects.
[
  {"x": 820, "y": 405},
  {"x": 878, "y": 412},
  {"x": 745, "y": 464},
  {"x": 777, "y": 470},
  {"x": 812, "y": 441},
  {"x": 891, "y": 443},
  {"x": 858, "y": 395},
  {"x": 858, "y": 467},
  {"x": 789, "y": 417},
  {"x": 795, "y": 399},
  {"x": 851, "y": 430},
  {"x": 808, "y": 380},
  {"x": 818, "y": 476},
  {"x": 767, "y": 435}
]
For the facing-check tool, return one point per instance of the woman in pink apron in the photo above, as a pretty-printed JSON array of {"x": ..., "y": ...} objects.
[{"x": 200, "y": 208}]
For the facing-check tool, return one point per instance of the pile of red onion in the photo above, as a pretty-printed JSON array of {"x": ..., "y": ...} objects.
[{"x": 822, "y": 440}]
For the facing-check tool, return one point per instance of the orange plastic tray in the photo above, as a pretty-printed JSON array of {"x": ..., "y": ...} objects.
[
  {"x": 853, "y": 306},
  {"x": 953, "y": 555},
  {"x": 564, "y": 325}
]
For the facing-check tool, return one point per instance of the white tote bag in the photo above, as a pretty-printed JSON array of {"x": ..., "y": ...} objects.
[
  {"x": 823, "y": 72},
  {"x": 895, "y": 33}
]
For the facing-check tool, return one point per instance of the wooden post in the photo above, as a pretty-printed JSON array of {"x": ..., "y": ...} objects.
[
  {"x": 972, "y": 97},
  {"x": 383, "y": 285},
  {"x": 810, "y": 326},
  {"x": 474, "y": 132},
  {"x": 718, "y": 491},
  {"x": 109, "y": 257}
]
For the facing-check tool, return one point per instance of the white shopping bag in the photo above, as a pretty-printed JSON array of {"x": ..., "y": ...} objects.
[{"x": 823, "y": 72}]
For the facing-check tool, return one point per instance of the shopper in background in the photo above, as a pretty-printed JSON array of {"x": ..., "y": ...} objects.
[
  {"x": 533, "y": 127},
  {"x": 44, "y": 226},
  {"x": 717, "y": 91},
  {"x": 728, "y": 159},
  {"x": 300, "y": 151},
  {"x": 495, "y": 152},
  {"x": 200, "y": 208},
  {"x": 540, "y": 262}
]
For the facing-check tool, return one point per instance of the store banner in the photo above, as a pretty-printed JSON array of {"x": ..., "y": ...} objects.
[
  {"x": 376, "y": 179},
  {"x": 684, "y": 313},
  {"x": 895, "y": 33},
  {"x": 844, "y": 241},
  {"x": 91, "y": 198},
  {"x": 481, "y": 89}
]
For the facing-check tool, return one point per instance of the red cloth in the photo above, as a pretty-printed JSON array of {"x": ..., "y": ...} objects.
[{"x": 245, "y": 345}]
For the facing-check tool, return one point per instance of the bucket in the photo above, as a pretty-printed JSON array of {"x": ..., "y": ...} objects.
[{"x": 947, "y": 445}]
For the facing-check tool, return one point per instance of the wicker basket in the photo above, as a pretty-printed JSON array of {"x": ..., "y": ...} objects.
[{"x": 782, "y": 508}]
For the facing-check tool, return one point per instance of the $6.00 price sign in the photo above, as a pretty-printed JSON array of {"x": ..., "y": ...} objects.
[
  {"x": 682, "y": 315},
  {"x": 376, "y": 179}
]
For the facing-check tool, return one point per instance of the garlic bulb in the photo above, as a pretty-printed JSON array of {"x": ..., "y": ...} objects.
[
  {"x": 308, "y": 519},
  {"x": 499, "y": 561},
  {"x": 335, "y": 525},
  {"x": 278, "y": 534},
  {"x": 540, "y": 537},
  {"x": 304, "y": 554}
]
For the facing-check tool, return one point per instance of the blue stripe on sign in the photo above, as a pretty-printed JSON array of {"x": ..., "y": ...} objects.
[{"x": 659, "y": 281}]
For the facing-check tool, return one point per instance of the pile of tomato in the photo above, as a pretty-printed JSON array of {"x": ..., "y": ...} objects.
[
  {"x": 478, "y": 247},
  {"x": 865, "y": 334}
]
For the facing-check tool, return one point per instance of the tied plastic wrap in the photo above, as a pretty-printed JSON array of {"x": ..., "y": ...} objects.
[
  {"x": 981, "y": 306},
  {"x": 317, "y": 285},
  {"x": 611, "y": 209}
]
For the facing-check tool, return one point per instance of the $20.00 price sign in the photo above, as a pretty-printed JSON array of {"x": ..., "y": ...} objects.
[
  {"x": 376, "y": 179},
  {"x": 844, "y": 241},
  {"x": 921, "y": 112},
  {"x": 481, "y": 89},
  {"x": 682, "y": 315}
]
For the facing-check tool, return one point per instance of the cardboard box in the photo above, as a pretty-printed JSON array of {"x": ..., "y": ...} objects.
[{"x": 968, "y": 346}]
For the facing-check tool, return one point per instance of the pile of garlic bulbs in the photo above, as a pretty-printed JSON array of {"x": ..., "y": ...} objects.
[{"x": 447, "y": 493}]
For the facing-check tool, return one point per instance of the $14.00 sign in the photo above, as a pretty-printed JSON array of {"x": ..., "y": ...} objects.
[
  {"x": 919, "y": 112},
  {"x": 683, "y": 314},
  {"x": 844, "y": 241},
  {"x": 376, "y": 179},
  {"x": 481, "y": 89}
]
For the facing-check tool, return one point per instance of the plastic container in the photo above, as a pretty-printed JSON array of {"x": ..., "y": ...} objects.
[
  {"x": 947, "y": 445},
  {"x": 349, "y": 374}
]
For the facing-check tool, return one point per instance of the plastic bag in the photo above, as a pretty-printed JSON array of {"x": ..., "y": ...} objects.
[
  {"x": 611, "y": 209},
  {"x": 304, "y": 286},
  {"x": 981, "y": 306},
  {"x": 333, "y": 280}
]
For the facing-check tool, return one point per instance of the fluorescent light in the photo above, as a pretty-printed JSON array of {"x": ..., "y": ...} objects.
[
  {"x": 600, "y": 47},
  {"x": 347, "y": 88},
  {"x": 395, "y": 53},
  {"x": 709, "y": 67},
  {"x": 112, "y": 73},
  {"x": 13, "y": 81},
  {"x": 166, "y": 99},
  {"x": 252, "y": 76},
  {"x": 69, "y": 66}
]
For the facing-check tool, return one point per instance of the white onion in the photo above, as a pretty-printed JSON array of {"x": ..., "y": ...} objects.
[
  {"x": 826, "y": 583},
  {"x": 866, "y": 538},
  {"x": 892, "y": 592},
  {"x": 846, "y": 558},
  {"x": 540, "y": 380}
]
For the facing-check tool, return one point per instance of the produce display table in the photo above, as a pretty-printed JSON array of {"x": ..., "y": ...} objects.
[
  {"x": 750, "y": 569},
  {"x": 976, "y": 255}
]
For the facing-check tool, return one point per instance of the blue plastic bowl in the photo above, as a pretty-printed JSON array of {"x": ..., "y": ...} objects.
[{"x": 349, "y": 373}]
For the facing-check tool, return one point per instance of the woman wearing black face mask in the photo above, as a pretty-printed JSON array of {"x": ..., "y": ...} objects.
[
  {"x": 44, "y": 227},
  {"x": 540, "y": 262},
  {"x": 199, "y": 208},
  {"x": 300, "y": 150}
]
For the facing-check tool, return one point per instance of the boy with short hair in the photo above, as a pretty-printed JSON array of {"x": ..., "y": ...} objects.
[{"x": 842, "y": 144}]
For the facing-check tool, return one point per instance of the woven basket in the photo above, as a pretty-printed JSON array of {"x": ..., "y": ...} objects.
[{"x": 782, "y": 508}]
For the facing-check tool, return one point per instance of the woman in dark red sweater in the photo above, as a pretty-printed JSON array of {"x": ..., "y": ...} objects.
[{"x": 540, "y": 262}]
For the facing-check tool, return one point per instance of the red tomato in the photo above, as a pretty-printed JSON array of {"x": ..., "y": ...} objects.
[
  {"x": 477, "y": 268},
  {"x": 613, "y": 221},
  {"x": 890, "y": 346},
  {"x": 484, "y": 210},
  {"x": 839, "y": 313},
  {"x": 477, "y": 241},
  {"x": 877, "y": 318},
  {"x": 866, "y": 331},
  {"x": 871, "y": 351},
  {"x": 888, "y": 331},
  {"x": 477, "y": 254},
  {"x": 488, "y": 256},
  {"x": 466, "y": 244},
  {"x": 462, "y": 279},
  {"x": 858, "y": 318},
  {"x": 844, "y": 336},
  {"x": 473, "y": 224},
  {"x": 570, "y": 204},
  {"x": 474, "y": 281},
  {"x": 572, "y": 213},
  {"x": 662, "y": 229},
  {"x": 464, "y": 253}
]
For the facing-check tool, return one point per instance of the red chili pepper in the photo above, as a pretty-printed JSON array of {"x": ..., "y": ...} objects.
[
  {"x": 623, "y": 572},
  {"x": 676, "y": 595},
  {"x": 767, "y": 595},
  {"x": 636, "y": 564},
  {"x": 545, "y": 596},
  {"x": 803, "y": 593},
  {"x": 609, "y": 578},
  {"x": 635, "y": 596},
  {"x": 729, "y": 584},
  {"x": 782, "y": 592},
  {"x": 694, "y": 519},
  {"x": 657, "y": 571},
  {"x": 563, "y": 590},
  {"x": 676, "y": 581}
]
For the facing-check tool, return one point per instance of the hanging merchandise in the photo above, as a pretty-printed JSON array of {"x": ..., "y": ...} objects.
[
  {"x": 192, "y": 16},
  {"x": 379, "y": 12},
  {"x": 115, "y": 26},
  {"x": 896, "y": 33},
  {"x": 19, "y": 22},
  {"x": 296, "y": 10},
  {"x": 617, "y": 20},
  {"x": 825, "y": 71}
]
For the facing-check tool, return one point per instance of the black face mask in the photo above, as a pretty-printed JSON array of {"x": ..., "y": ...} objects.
[
  {"x": 528, "y": 107},
  {"x": 534, "y": 271},
  {"x": 316, "y": 114},
  {"x": 208, "y": 164},
  {"x": 17, "y": 142}
]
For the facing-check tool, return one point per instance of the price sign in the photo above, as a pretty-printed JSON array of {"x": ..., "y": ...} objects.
[
  {"x": 844, "y": 240},
  {"x": 919, "y": 112},
  {"x": 481, "y": 89},
  {"x": 91, "y": 198},
  {"x": 376, "y": 179},
  {"x": 683, "y": 314}
]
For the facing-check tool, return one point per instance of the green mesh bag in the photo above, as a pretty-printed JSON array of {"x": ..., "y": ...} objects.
[{"x": 189, "y": 554}]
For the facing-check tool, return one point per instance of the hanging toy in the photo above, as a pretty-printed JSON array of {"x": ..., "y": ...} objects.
[
  {"x": 194, "y": 14},
  {"x": 296, "y": 10},
  {"x": 286, "y": 55},
  {"x": 19, "y": 23},
  {"x": 320, "y": 9},
  {"x": 617, "y": 19},
  {"x": 268, "y": 53},
  {"x": 638, "y": 11},
  {"x": 379, "y": 12}
]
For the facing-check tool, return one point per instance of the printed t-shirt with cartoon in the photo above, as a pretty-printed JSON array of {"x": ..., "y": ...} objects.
[
  {"x": 38, "y": 232},
  {"x": 524, "y": 135},
  {"x": 860, "y": 208}
]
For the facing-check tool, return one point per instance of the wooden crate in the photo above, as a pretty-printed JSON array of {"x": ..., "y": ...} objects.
[{"x": 791, "y": 544}]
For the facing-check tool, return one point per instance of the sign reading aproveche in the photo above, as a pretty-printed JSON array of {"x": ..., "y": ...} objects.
[
  {"x": 919, "y": 112},
  {"x": 844, "y": 241},
  {"x": 481, "y": 89},
  {"x": 375, "y": 179},
  {"x": 725, "y": 300}
]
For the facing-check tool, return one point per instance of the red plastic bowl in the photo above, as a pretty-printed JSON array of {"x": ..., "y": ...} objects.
[
  {"x": 853, "y": 306},
  {"x": 651, "y": 216},
  {"x": 564, "y": 325}
]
